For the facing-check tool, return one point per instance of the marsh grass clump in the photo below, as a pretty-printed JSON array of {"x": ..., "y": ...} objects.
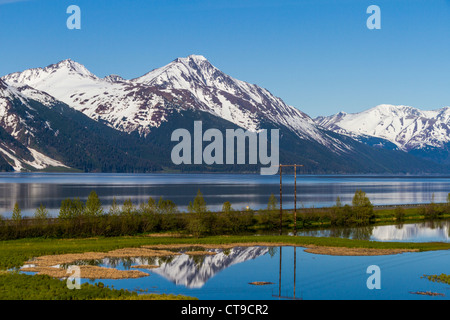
[
  {"x": 16, "y": 286},
  {"x": 442, "y": 278}
]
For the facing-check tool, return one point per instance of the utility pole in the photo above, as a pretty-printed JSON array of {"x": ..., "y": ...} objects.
[
  {"x": 281, "y": 200},
  {"x": 295, "y": 202},
  {"x": 295, "y": 195}
]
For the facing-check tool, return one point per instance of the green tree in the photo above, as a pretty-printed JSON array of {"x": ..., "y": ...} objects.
[
  {"x": 270, "y": 216},
  {"x": 362, "y": 208},
  {"x": 65, "y": 209},
  {"x": 234, "y": 221},
  {"x": 226, "y": 207},
  {"x": 272, "y": 205},
  {"x": 93, "y": 205},
  {"x": 201, "y": 220},
  {"x": 336, "y": 215},
  {"x": 199, "y": 204},
  {"x": 447, "y": 207},
  {"x": 432, "y": 210},
  {"x": 41, "y": 213},
  {"x": 166, "y": 213},
  {"x": 17, "y": 213},
  {"x": 71, "y": 209},
  {"x": 114, "y": 209},
  {"x": 399, "y": 213},
  {"x": 128, "y": 207},
  {"x": 151, "y": 204},
  {"x": 166, "y": 206},
  {"x": 150, "y": 215},
  {"x": 338, "y": 202}
]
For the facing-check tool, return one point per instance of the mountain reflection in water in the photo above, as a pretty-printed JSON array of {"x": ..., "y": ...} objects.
[
  {"x": 430, "y": 231},
  {"x": 192, "y": 271},
  {"x": 291, "y": 273}
]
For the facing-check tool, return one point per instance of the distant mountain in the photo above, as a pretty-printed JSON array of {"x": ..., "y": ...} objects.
[
  {"x": 78, "y": 120},
  {"x": 144, "y": 103},
  {"x": 422, "y": 133},
  {"x": 47, "y": 134},
  {"x": 239, "y": 102}
]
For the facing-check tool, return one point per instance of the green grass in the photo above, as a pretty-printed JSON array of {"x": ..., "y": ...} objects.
[{"x": 15, "y": 286}]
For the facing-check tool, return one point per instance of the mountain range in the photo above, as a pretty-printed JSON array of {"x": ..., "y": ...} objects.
[
  {"x": 63, "y": 117},
  {"x": 423, "y": 133}
]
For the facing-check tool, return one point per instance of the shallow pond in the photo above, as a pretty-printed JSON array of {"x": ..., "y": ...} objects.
[{"x": 291, "y": 271}]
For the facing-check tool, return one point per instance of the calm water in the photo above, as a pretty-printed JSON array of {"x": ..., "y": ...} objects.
[
  {"x": 31, "y": 189},
  {"x": 227, "y": 275},
  {"x": 430, "y": 231}
]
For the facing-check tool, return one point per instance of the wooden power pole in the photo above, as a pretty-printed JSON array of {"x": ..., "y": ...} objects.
[{"x": 295, "y": 195}]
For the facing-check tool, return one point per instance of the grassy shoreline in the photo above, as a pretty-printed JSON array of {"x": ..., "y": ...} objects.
[{"x": 15, "y": 286}]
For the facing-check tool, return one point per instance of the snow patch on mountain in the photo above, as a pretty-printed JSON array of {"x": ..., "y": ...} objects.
[
  {"x": 407, "y": 127},
  {"x": 41, "y": 161},
  {"x": 186, "y": 83}
]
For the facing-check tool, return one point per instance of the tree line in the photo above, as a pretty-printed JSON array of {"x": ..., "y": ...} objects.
[{"x": 85, "y": 219}]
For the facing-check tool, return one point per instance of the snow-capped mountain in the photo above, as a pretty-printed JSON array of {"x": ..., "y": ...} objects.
[
  {"x": 237, "y": 101},
  {"x": 124, "y": 106},
  {"x": 14, "y": 125},
  {"x": 39, "y": 132},
  {"x": 79, "y": 120},
  {"x": 407, "y": 127},
  {"x": 186, "y": 83}
]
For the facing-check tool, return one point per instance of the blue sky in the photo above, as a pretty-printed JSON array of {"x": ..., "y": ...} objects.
[{"x": 317, "y": 55}]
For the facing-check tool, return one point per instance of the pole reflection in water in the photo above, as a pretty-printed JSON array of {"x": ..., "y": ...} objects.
[{"x": 279, "y": 277}]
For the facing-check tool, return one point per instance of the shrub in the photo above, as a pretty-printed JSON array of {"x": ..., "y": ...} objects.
[
  {"x": 399, "y": 214},
  {"x": 41, "y": 213},
  {"x": 17, "y": 213},
  {"x": 93, "y": 205},
  {"x": 362, "y": 208},
  {"x": 270, "y": 217}
]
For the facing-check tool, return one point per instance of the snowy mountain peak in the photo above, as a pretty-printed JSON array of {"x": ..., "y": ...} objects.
[
  {"x": 182, "y": 73},
  {"x": 186, "y": 83},
  {"x": 114, "y": 78},
  {"x": 72, "y": 66},
  {"x": 53, "y": 75},
  {"x": 234, "y": 100},
  {"x": 407, "y": 127},
  {"x": 193, "y": 57},
  {"x": 395, "y": 110}
]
